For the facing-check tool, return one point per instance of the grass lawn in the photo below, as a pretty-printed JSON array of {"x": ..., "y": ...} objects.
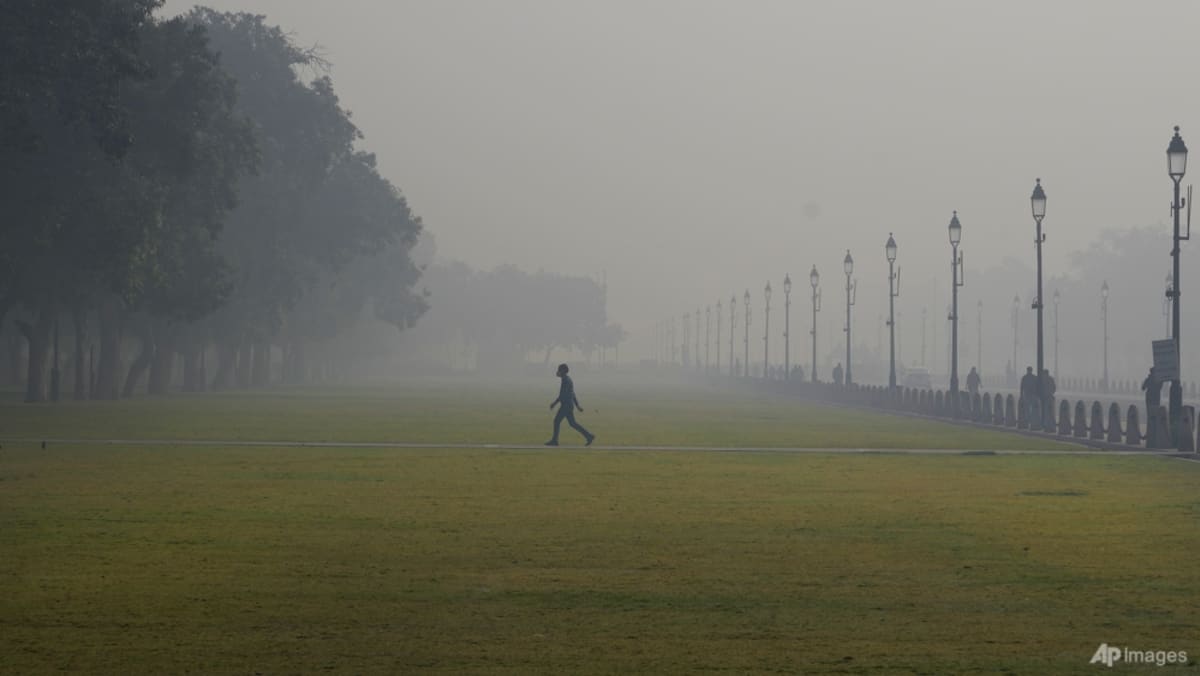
[
  {"x": 464, "y": 412},
  {"x": 161, "y": 559}
]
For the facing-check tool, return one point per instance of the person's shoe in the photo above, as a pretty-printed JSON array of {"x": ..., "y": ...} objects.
[
  {"x": 552, "y": 443},
  {"x": 590, "y": 440}
]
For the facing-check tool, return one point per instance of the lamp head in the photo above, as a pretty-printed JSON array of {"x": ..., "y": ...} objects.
[
  {"x": 1038, "y": 200},
  {"x": 891, "y": 248},
  {"x": 955, "y": 229},
  {"x": 848, "y": 264},
  {"x": 1177, "y": 156}
]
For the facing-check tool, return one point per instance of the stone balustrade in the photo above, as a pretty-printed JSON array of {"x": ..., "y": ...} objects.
[{"x": 1078, "y": 419}]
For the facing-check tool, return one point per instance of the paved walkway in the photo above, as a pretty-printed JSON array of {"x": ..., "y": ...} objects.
[{"x": 596, "y": 447}]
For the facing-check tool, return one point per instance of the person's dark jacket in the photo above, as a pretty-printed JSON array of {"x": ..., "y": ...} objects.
[
  {"x": 1029, "y": 385},
  {"x": 1153, "y": 388}
]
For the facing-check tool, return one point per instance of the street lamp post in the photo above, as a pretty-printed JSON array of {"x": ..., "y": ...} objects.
[
  {"x": 1104, "y": 320},
  {"x": 979, "y": 336},
  {"x": 746, "y": 321},
  {"x": 766, "y": 330},
  {"x": 1056, "y": 300},
  {"x": 664, "y": 347},
  {"x": 717, "y": 362},
  {"x": 1176, "y": 168},
  {"x": 658, "y": 343},
  {"x": 1167, "y": 305},
  {"x": 1015, "y": 323},
  {"x": 685, "y": 351},
  {"x": 671, "y": 338},
  {"x": 814, "y": 278},
  {"x": 924, "y": 323},
  {"x": 732, "y": 325},
  {"x": 1038, "y": 202},
  {"x": 707, "y": 335},
  {"x": 956, "y": 260},
  {"x": 787, "y": 325},
  {"x": 696, "y": 361},
  {"x": 851, "y": 293},
  {"x": 893, "y": 292},
  {"x": 657, "y": 352},
  {"x": 949, "y": 335}
]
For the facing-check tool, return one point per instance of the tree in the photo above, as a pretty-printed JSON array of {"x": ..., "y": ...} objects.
[
  {"x": 372, "y": 217},
  {"x": 506, "y": 313},
  {"x": 62, "y": 66},
  {"x": 304, "y": 133},
  {"x": 94, "y": 142}
]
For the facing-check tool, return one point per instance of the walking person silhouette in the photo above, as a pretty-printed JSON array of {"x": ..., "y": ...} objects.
[{"x": 567, "y": 402}]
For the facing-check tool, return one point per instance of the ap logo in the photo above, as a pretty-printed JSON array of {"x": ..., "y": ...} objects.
[{"x": 1106, "y": 655}]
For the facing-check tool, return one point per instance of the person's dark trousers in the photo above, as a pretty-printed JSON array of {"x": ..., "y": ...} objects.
[{"x": 568, "y": 413}]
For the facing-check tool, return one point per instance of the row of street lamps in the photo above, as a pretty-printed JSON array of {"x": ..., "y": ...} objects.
[
  {"x": 1176, "y": 168},
  {"x": 666, "y": 329},
  {"x": 891, "y": 250}
]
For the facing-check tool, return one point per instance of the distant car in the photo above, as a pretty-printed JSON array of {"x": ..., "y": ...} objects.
[{"x": 917, "y": 378}]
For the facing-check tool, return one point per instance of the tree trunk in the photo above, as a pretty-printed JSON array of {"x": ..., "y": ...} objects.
[
  {"x": 37, "y": 335},
  {"x": 294, "y": 366},
  {"x": 286, "y": 366},
  {"x": 142, "y": 362},
  {"x": 243, "y": 365},
  {"x": 261, "y": 371},
  {"x": 79, "y": 319},
  {"x": 108, "y": 375},
  {"x": 193, "y": 380},
  {"x": 163, "y": 364},
  {"x": 226, "y": 360},
  {"x": 5, "y": 306},
  {"x": 12, "y": 359},
  {"x": 203, "y": 367}
]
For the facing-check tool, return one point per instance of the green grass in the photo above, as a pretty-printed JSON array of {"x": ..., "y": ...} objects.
[
  {"x": 169, "y": 559},
  {"x": 166, "y": 560},
  {"x": 467, "y": 413}
]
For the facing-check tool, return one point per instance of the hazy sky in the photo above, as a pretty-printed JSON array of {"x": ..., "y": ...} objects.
[{"x": 692, "y": 148}]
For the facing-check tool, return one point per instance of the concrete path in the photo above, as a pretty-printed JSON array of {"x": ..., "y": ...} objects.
[{"x": 597, "y": 447}]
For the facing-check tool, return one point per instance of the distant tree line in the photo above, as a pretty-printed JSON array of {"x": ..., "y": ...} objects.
[
  {"x": 178, "y": 201},
  {"x": 500, "y": 318}
]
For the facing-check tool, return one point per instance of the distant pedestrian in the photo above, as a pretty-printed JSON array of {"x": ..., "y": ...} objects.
[
  {"x": 837, "y": 374},
  {"x": 1153, "y": 387},
  {"x": 973, "y": 382},
  {"x": 567, "y": 402},
  {"x": 1029, "y": 391},
  {"x": 1029, "y": 384},
  {"x": 1051, "y": 387}
]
